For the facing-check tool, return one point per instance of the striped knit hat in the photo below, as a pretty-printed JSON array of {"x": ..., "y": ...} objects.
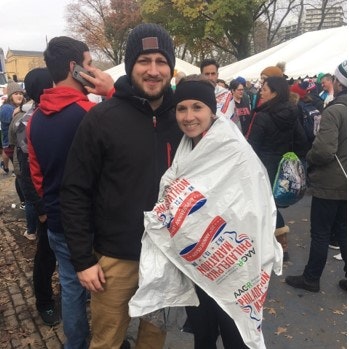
[{"x": 341, "y": 73}]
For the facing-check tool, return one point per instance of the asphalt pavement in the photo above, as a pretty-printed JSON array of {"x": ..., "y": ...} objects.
[{"x": 293, "y": 319}]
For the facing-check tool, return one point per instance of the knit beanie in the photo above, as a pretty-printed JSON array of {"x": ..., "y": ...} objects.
[
  {"x": 341, "y": 73},
  {"x": 319, "y": 77},
  {"x": 241, "y": 80},
  {"x": 272, "y": 71},
  {"x": 201, "y": 91},
  {"x": 36, "y": 81},
  {"x": 300, "y": 88},
  {"x": 148, "y": 38},
  {"x": 13, "y": 87}
]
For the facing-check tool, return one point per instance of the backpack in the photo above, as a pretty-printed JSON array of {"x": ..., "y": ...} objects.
[
  {"x": 311, "y": 120},
  {"x": 20, "y": 130}
]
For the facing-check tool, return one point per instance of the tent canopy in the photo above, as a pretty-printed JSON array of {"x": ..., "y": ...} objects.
[
  {"x": 305, "y": 55},
  {"x": 181, "y": 65}
]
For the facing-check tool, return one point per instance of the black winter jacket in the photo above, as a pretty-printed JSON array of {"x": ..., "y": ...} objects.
[
  {"x": 112, "y": 174},
  {"x": 276, "y": 130}
]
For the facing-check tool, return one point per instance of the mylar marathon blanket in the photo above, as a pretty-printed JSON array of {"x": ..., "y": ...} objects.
[{"x": 213, "y": 225}]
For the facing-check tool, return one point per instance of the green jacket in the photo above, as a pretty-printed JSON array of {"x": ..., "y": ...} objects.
[{"x": 326, "y": 178}]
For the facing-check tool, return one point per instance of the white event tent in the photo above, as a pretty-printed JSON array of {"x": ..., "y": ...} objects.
[
  {"x": 305, "y": 55},
  {"x": 181, "y": 65}
]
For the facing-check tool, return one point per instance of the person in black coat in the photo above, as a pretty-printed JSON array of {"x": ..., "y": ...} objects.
[
  {"x": 36, "y": 81},
  {"x": 276, "y": 130}
]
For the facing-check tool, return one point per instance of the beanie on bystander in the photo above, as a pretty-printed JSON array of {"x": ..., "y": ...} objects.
[
  {"x": 341, "y": 73},
  {"x": 148, "y": 38},
  {"x": 241, "y": 80},
  {"x": 13, "y": 87},
  {"x": 272, "y": 71},
  {"x": 36, "y": 81},
  {"x": 319, "y": 77},
  {"x": 300, "y": 89}
]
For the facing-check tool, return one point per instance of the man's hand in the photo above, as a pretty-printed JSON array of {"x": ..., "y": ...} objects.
[
  {"x": 92, "y": 278},
  {"x": 102, "y": 81}
]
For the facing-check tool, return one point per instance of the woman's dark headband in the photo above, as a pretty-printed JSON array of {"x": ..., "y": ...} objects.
[{"x": 198, "y": 90}]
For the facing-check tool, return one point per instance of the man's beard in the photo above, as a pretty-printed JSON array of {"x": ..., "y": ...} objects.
[{"x": 141, "y": 93}]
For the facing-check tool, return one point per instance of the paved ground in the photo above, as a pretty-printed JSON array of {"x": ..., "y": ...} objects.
[{"x": 293, "y": 319}]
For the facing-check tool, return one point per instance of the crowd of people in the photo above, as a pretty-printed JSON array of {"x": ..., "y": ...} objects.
[{"x": 86, "y": 174}]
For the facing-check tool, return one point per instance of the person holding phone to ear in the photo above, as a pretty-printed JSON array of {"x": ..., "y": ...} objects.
[
  {"x": 77, "y": 76},
  {"x": 50, "y": 133}
]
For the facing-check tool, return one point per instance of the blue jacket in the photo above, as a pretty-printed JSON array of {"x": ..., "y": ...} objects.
[
  {"x": 6, "y": 112},
  {"x": 50, "y": 132}
]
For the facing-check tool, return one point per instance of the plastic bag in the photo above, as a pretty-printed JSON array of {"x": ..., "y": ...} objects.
[
  {"x": 214, "y": 223},
  {"x": 290, "y": 180}
]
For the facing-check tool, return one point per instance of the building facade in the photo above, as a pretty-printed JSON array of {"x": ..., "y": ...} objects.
[
  {"x": 19, "y": 63},
  {"x": 317, "y": 18},
  {"x": 313, "y": 19}
]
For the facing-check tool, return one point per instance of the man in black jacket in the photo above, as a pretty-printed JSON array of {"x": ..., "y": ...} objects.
[{"x": 121, "y": 149}]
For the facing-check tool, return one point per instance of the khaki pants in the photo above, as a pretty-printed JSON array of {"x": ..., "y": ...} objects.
[{"x": 109, "y": 309}]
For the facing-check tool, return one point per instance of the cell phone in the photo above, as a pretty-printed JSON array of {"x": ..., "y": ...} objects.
[{"x": 76, "y": 75}]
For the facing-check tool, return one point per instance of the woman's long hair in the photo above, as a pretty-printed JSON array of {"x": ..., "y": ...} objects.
[{"x": 280, "y": 86}]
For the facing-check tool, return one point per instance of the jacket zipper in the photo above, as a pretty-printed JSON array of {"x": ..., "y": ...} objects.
[
  {"x": 169, "y": 148},
  {"x": 154, "y": 121}
]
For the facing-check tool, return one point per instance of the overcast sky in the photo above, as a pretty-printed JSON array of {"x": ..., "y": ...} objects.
[{"x": 25, "y": 24}]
